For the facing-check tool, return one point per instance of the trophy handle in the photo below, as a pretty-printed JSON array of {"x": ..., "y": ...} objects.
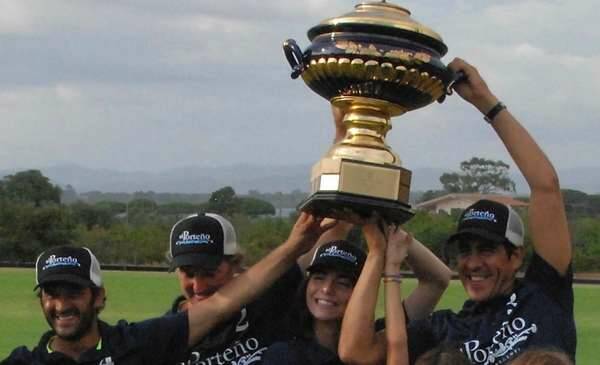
[
  {"x": 457, "y": 77},
  {"x": 294, "y": 55}
]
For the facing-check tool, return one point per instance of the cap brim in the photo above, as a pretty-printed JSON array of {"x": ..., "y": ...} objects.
[
  {"x": 65, "y": 278},
  {"x": 477, "y": 232},
  {"x": 208, "y": 262},
  {"x": 333, "y": 264}
]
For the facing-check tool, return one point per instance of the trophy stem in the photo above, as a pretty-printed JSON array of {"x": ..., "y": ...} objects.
[
  {"x": 366, "y": 128},
  {"x": 367, "y": 121}
]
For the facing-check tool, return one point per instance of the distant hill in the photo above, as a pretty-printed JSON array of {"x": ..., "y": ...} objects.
[
  {"x": 242, "y": 178},
  {"x": 180, "y": 180}
]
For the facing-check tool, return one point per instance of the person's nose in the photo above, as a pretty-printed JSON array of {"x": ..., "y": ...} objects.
[
  {"x": 328, "y": 286},
  {"x": 200, "y": 283},
  {"x": 59, "y": 303},
  {"x": 473, "y": 260}
]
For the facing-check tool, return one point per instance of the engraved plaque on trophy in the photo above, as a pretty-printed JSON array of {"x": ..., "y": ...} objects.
[{"x": 374, "y": 63}]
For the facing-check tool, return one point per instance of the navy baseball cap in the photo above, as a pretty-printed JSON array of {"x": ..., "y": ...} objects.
[
  {"x": 338, "y": 255},
  {"x": 491, "y": 221},
  {"x": 73, "y": 265},
  {"x": 202, "y": 240}
]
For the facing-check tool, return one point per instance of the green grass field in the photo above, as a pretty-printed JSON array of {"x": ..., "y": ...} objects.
[{"x": 140, "y": 295}]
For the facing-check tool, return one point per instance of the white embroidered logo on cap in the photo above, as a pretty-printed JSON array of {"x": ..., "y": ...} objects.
[
  {"x": 54, "y": 261},
  {"x": 336, "y": 252},
  {"x": 479, "y": 215},
  {"x": 185, "y": 238}
]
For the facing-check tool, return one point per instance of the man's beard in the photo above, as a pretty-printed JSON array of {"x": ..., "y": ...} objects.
[{"x": 86, "y": 320}]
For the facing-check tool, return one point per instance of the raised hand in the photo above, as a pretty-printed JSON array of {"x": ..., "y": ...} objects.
[
  {"x": 398, "y": 243},
  {"x": 473, "y": 89},
  {"x": 375, "y": 238},
  {"x": 307, "y": 230}
]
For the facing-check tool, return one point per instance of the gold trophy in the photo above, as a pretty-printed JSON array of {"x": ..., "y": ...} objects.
[{"x": 374, "y": 63}]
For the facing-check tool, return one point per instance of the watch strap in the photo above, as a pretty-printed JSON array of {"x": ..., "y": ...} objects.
[{"x": 489, "y": 117}]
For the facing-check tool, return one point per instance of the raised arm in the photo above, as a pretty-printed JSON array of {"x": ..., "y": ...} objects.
[
  {"x": 359, "y": 344},
  {"x": 433, "y": 277},
  {"x": 547, "y": 218},
  {"x": 205, "y": 315},
  {"x": 395, "y": 321}
]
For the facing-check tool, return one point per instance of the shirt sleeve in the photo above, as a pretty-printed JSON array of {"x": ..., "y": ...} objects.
[
  {"x": 278, "y": 297},
  {"x": 20, "y": 356},
  {"x": 164, "y": 339},
  {"x": 556, "y": 286}
]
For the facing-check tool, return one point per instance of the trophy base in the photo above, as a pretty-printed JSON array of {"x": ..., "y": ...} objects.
[{"x": 355, "y": 208}]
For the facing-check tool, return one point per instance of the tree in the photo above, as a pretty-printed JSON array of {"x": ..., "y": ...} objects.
[
  {"x": 142, "y": 206},
  {"x": 579, "y": 204},
  {"x": 576, "y": 202},
  {"x": 69, "y": 195},
  {"x": 142, "y": 211},
  {"x": 27, "y": 230},
  {"x": 112, "y": 206},
  {"x": 432, "y": 229},
  {"x": 586, "y": 238},
  {"x": 258, "y": 237},
  {"x": 255, "y": 207},
  {"x": 91, "y": 216},
  {"x": 479, "y": 175},
  {"x": 123, "y": 244},
  {"x": 594, "y": 204},
  {"x": 30, "y": 186},
  {"x": 222, "y": 201},
  {"x": 179, "y": 208}
]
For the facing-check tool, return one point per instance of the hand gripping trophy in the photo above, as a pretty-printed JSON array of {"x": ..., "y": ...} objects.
[{"x": 374, "y": 63}]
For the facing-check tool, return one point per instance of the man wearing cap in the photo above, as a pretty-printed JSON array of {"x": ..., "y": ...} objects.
[
  {"x": 505, "y": 315},
  {"x": 72, "y": 295},
  {"x": 205, "y": 254}
]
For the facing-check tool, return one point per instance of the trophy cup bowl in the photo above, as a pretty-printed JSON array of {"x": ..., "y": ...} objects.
[{"x": 374, "y": 63}]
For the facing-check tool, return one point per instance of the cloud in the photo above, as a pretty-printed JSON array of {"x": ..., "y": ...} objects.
[
  {"x": 205, "y": 24},
  {"x": 67, "y": 93},
  {"x": 149, "y": 84},
  {"x": 14, "y": 17}
]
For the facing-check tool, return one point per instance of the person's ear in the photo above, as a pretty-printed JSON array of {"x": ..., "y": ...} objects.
[
  {"x": 517, "y": 257},
  {"x": 100, "y": 300}
]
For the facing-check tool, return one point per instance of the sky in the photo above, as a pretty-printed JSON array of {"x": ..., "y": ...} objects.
[{"x": 148, "y": 85}]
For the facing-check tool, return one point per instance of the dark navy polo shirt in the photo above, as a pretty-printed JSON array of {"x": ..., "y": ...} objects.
[
  {"x": 244, "y": 338},
  {"x": 305, "y": 351},
  {"x": 155, "y": 341},
  {"x": 538, "y": 313},
  {"x": 300, "y": 352}
]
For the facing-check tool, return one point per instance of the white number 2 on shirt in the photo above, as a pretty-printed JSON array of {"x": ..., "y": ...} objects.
[{"x": 242, "y": 324}]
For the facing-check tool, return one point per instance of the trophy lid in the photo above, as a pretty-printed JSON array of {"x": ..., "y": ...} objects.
[{"x": 382, "y": 18}]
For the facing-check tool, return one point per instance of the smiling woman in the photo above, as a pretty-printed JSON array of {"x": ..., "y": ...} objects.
[
  {"x": 327, "y": 293},
  {"x": 319, "y": 307}
]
